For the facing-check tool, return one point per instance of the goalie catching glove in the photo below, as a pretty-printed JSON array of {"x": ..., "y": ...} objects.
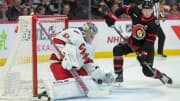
[
  {"x": 70, "y": 57},
  {"x": 99, "y": 76}
]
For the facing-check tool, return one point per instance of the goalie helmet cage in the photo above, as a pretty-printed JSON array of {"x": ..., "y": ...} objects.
[{"x": 29, "y": 32}]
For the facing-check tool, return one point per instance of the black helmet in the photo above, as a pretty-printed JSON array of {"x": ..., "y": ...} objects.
[{"x": 147, "y": 4}]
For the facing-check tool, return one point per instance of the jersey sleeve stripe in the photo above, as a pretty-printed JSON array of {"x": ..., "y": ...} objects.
[
  {"x": 152, "y": 35},
  {"x": 150, "y": 40},
  {"x": 88, "y": 61},
  {"x": 57, "y": 41}
]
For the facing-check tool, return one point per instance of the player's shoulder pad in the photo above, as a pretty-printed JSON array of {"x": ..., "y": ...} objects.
[{"x": 75, "y": 35}]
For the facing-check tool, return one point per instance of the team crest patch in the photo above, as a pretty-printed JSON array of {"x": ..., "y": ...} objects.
[{"x": 138, "y": 32}]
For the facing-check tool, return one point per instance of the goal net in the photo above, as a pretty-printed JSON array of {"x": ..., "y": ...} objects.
[{"x": 24, "y": 69}]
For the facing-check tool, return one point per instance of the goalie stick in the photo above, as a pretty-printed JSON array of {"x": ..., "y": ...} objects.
[{"x": 74, "y": 73}]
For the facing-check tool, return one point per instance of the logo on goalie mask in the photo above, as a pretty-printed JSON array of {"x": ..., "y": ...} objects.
[
  {"x": 138, "y": 32},
  {"x": 89, "y": 28}
]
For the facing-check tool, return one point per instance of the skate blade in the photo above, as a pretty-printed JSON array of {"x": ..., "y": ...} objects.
[
  {"x": 160, "y": 58},
  {"x": 117, "y": 84}
]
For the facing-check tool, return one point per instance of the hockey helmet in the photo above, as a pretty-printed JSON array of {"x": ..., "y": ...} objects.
[
  {"x": 147, "y": 4},
  {"x": 87, "y": 28}
]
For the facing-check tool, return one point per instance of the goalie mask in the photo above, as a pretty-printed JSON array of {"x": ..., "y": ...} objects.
[
  {"x": 89, "y": 30},
  {"x": 139, "y": 32}
]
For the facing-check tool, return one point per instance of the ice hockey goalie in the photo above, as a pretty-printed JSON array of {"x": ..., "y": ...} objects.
[{"x": 76, "y": 48}]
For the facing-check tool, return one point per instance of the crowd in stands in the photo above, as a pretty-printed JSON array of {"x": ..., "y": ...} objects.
[{"x": 75, "y": 9}]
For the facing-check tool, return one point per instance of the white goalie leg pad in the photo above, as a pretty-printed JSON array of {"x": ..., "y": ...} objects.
[{"x": 64, "y": 89}]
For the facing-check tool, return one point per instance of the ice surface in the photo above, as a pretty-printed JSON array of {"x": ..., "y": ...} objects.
[{"x": 136, "y": 86}]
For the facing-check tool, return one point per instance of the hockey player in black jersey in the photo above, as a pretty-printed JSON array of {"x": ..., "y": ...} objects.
[{"x": 142, "y": 40}]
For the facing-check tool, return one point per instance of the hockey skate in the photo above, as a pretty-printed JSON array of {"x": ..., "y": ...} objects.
[
  {"x": 161, "y": 56},
  {"x": 165, "y": 79},
  {"x": 43, "y": 95},
  {"x": 118, "y": 80}
]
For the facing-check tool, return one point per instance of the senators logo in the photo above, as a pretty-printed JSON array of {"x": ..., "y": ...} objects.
[{"x": 138, "y": 32}]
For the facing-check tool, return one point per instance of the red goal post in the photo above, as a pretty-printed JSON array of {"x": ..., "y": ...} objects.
[{"x": 42, "y": 19}]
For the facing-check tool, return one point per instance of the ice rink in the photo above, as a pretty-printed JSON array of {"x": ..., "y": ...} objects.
[{"x": 136, "y": 86}]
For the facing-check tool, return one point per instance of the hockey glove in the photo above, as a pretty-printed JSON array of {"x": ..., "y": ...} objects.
[
  {"x": 109, "y": 21},
  {"x": 99, "y": 76}
]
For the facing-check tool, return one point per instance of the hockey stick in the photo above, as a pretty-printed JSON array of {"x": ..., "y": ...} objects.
[
  {"x": 147, "y": 65},
  {"x": 74, "y": 73},
  {"x": 157, "y": 9}
]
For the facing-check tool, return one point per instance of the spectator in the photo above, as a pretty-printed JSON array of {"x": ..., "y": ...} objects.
[
  {"x": 179, "y": 6},
  {"x": 83, "y": 8},
  {"x": 14, "y": 11},
  {"x": 133, "y": 3},
  {"x": 66, "y": 11},
  {"x": 102, "y": 4},
  {"x": 174, "y": 11},
  {"x": 98, "y": 13},
  {"x": 119, "y": 2},
  {"x": 3, "y": 9},
  {"x": 115, "y": 6},
  {"x": 1, "y": 12},
  {"x": 170, "y": 2},
  {"x": 76, "y": 9},
  {"x": 9, "y": 2},
  {"x": 94, "y": 8},
  {"x": 40, "y": 10},
  {"x": 24, "y": 11},
  {"x": 46, "y": 5},
  {"x": 163, "y": 5},
  {"x": 73, "y": 7},
  {"x": 109, "y": 2},
  {"x": 25, "y": 1}
]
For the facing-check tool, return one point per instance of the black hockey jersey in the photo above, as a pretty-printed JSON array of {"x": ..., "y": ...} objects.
[{"x": 144, "y": 31}]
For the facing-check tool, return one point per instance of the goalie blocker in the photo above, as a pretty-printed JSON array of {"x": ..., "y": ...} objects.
[{"x": 78, "y": 52}]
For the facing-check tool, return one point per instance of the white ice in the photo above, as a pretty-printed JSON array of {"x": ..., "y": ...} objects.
[{"x": 136, "y": 86}]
